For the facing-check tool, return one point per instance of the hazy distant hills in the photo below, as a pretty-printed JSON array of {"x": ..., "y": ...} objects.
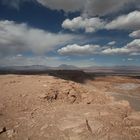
[
  {"x": 113, "y": 69},
  {"x": 95, "y": 69},
  {"x": 32, "y": 67},
  {"x": 67, "y": 67},
  {"x": 39, "y": 67}
]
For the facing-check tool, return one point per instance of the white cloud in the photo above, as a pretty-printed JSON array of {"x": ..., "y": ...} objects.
[
  {"x": 79, "y": 50},
  {"x": 19, "y": 55},
  {"x": 130, "y": 59},
  {"x": 115, "y": 51},
  {"x": 18, "y": 38},
  {"x": 92, "y": 59},
  {"x": 89, "y": 7},
  {"x": 130, "y": 21},
  {"x": 132, "y": 48},
  {"x": 135, "y": 53},
  {"x": 111, "y": 43},
  {"x": 87, "y": 24},
  {"x": 135, "y": 34}
]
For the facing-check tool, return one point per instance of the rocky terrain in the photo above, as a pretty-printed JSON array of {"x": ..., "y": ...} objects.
[{"x": 44, "y": 107}]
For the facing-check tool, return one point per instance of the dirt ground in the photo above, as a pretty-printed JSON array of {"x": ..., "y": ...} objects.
[
  {"x": 120, "y": 87},
  {"x": 42, "y": 107}
]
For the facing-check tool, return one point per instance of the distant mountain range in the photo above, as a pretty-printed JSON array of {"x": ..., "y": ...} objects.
[
  {"x": 39, "y": 67},
  {"x": 113, "y": 69},
  {"x": 67, "y": 67},
  {"x": 102, "y": 69},
  {"x": 32, "y": 67}
]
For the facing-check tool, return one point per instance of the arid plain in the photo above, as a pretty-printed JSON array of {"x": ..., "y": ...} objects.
[{"x": 44, "y": 107}]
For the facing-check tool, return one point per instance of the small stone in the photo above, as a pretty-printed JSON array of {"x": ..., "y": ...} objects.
[
  {"x": 1, "y": 107},
  {"x": 10, "y": 133},
  {"x": 44, "y": 85},
  {"x": 43, "y": 96},
  {"x": 27, "y": 138},
  {"x": 72, "y": 92},
  {"x": 72, "y": 99}
]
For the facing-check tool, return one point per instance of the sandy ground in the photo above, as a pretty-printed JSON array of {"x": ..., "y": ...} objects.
[
  {"x": 122, "y": 88},
  {"x": 49, "y": 108}
]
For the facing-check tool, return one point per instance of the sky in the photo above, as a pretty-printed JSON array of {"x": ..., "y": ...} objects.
[{"x": 73, "y": 32}]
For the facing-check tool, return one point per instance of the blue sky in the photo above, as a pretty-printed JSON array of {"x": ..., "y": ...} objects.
[{"x": 76, "y": 32}]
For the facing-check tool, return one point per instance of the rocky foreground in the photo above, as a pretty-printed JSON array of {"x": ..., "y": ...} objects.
[{"x": 50, "y": 108}]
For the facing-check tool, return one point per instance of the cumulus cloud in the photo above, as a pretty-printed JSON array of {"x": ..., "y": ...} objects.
[
  {"x": 115, "y": 51},
  {"x": 89, "y": 7},
  {"x": 87, "y": 24},
  {"x": 135, "y": 34},
  {"x": 111, "y": 43},
  {"x": 80, "y": 50},
  {"x": 130, "y": 21},
  {"x": 130, "y": 59},
  {"x": 132, "y": 48},
  {"x": 18, "y": 38}
]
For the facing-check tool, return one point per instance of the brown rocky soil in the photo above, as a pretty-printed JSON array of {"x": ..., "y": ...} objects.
[{"x": 37, "y": 107}]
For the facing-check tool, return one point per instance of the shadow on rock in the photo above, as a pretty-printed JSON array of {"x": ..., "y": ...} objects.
[{"x": 72, "y": 75}]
